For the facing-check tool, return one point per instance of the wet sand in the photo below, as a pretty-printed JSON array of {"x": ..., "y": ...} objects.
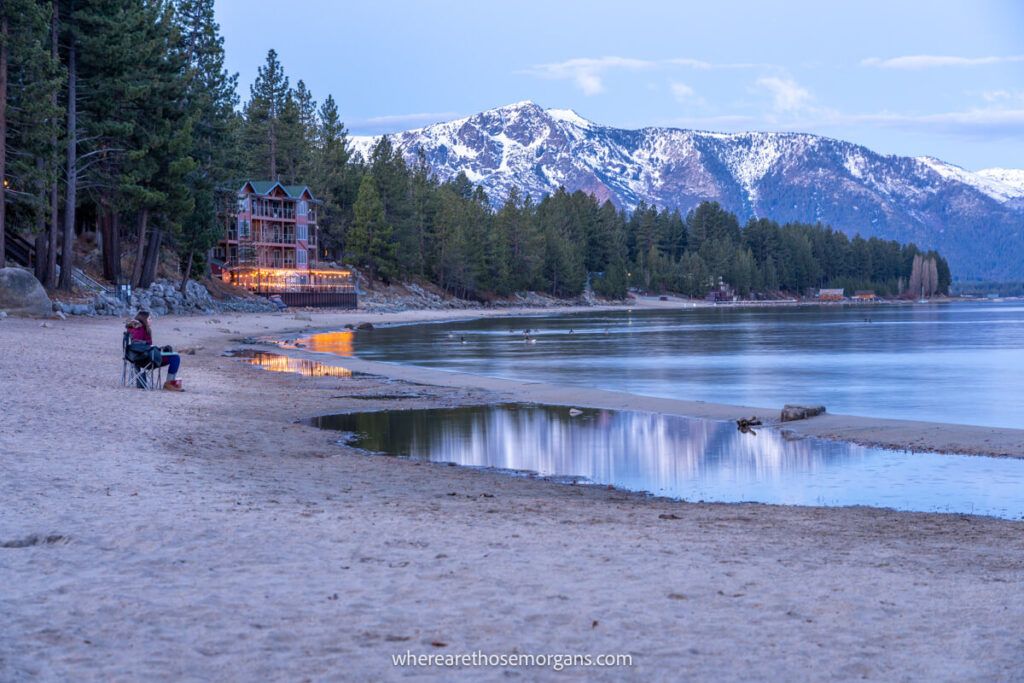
[{"x": 207, "y": 535}]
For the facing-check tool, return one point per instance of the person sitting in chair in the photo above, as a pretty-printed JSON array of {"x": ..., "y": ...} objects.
[{"x": 140, "y": 331}]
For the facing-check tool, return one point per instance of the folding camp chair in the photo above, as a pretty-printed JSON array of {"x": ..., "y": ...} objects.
[{"x": 139, "y": 371}]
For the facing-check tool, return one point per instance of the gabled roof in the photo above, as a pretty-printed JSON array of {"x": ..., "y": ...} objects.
[
  {"x": 298, "y": 190},
  {"x": 264, "y": 187}
]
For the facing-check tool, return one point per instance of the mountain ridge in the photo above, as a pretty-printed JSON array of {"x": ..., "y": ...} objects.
[{"x": 975, "y": 219}]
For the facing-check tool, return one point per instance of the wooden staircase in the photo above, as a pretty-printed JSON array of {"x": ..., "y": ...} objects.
[{"x": 18, "y": 249}]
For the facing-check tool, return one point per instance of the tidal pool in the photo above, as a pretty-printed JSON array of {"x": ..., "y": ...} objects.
[
  {"x": 690, "y": 459},
  {"x": 276, "y": 362}
]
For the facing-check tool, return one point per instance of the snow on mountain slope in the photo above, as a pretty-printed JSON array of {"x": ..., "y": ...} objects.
[
  {"x": 1011, "y": 179},
  {"x": 974, "y": 218},
  {"x": 1002, "y": 184}
]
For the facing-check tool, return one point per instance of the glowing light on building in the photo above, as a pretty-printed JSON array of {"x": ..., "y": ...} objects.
[{"x": 281, "y": 280}]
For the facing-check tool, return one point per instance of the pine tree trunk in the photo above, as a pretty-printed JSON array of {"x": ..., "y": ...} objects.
[
  {"x": 40, "y": 256},
  {"x": 152, "y": 258},
  {"x": 140, "y": 248},
  {"x": 188, "y": 273},
  {"x": 112, "y": 244},
  {"x": 40, "y": 262},
  {"x": 115, "y": 245},
  {"x": 54, "y": 229},
  {"x": 51, "y": 249},
  {"x": 67, "y": 260},
  {"x": 3, "y": 139},
  {"x": 273, "y": 152}
]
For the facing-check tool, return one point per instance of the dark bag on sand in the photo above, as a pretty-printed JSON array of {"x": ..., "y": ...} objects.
[{"x": 141, "y": 354}]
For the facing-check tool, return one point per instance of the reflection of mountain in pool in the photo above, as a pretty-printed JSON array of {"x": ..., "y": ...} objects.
[{"x": 691, "y": 459}]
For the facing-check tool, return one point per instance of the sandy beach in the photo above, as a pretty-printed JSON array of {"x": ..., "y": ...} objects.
[{"x": 211, "y": 535}]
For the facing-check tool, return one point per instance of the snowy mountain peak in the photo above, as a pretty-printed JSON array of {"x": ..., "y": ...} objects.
[
  {"x": 569, "y": 116},
  {"x": 1002, "y": 184},
  {"x": 784, "y": 176},
  {"x": 1011, "y": 179}
]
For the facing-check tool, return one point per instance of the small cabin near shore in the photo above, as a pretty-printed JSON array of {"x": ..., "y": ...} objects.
[
  {"x": 270, "y": 247},
  {"x": 831, "y": 295},
  {"x": 865, "y": 295}
]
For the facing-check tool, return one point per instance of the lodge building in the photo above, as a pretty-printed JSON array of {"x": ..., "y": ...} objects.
[
  {"x": 270, "y": 244},
  {"x": 272, "y": 226}
]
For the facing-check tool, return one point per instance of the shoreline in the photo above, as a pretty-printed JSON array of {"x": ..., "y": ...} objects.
[
  {"x": 212, "y": 534},
  {"x": 918, "y": 436},
  {"x": 906, "y": 435}
]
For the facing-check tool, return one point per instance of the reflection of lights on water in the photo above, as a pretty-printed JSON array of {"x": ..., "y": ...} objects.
[
  {"x": 307, "y": 368},
  {"x": 338, "y": 343}
]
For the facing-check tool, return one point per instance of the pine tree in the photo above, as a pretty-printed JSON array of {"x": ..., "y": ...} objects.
[
  {"x": 369, "y": 241},
  {"x": 211, "y": 97},
  {"x": 298, "y": 130},
  {"x": 29, "y": 83},
  {"x": 334, "y": 178},
  {"x": 268, "y": 97}
]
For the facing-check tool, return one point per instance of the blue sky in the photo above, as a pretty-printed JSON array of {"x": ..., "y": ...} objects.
[{"x": 942, "y": 78}]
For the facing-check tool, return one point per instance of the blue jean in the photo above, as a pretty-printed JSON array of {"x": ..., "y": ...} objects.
[{"x": 172, "y": 361}]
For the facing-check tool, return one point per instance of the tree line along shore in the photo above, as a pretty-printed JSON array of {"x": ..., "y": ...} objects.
[{"x": 121, "y": 120}]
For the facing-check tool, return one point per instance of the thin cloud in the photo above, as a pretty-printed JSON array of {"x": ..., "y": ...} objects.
[
  {"x": 1003, "y": 95},
  {"x": 932, "y": 61},
  {"x": 588, "y": 73},
  {"x": 728, "y": 121},
  {"x": 787, "y": 94},
  {"x": 681, "y": 91},
  {"x": 984, "y": 122},
  {"x": 393, "y": 119},
  {"x": 702, "y": 65},
  {"x": 978, "y": 124}
]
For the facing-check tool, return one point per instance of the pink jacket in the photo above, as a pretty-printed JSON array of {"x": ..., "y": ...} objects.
[{"x": 139, "y": 333}]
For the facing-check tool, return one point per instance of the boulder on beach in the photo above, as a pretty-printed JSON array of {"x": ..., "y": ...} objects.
[
  {"x": 21, "y": 294},
  {"x": 792, "y": 412},
  {"x": 364, "y": 326}
]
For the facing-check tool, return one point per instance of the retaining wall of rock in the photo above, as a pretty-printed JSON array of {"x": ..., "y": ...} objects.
[{"x": 162, "y": 298}]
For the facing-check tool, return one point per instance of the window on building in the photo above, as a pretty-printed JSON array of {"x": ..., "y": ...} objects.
[
  {"x": 243, "y": 229},
  {"x": 302, "y": 207},
  {"x": 243, "y": 204},
  {"x": 302, "y": 232},
  {"x": 300, "y": 257}
]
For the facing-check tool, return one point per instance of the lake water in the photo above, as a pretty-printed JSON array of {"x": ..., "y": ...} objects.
[
  {"x": 961, "y": 363},
  {"x": 691, "y": 459}
]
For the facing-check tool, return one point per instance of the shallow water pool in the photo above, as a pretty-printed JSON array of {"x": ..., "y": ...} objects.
[{"x": 691, "y": 459}]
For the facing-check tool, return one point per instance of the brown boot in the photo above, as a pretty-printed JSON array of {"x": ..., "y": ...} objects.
[{"x": 173, "y": 385}]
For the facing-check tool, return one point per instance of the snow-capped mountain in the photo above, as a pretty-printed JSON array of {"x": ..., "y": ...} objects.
[
  {"x": 1002, "y": 184},
  {"x": 975, "y": 219},
  {"x": 1010, "y": 182}
]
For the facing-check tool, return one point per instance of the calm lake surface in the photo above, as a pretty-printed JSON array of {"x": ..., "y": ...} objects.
[
  {"x": 961, "y": 363},
  {"x": 691, "y": 459}
]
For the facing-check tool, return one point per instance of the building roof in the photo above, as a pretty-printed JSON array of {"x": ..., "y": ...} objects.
[{"x": 267, "y": 186}]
